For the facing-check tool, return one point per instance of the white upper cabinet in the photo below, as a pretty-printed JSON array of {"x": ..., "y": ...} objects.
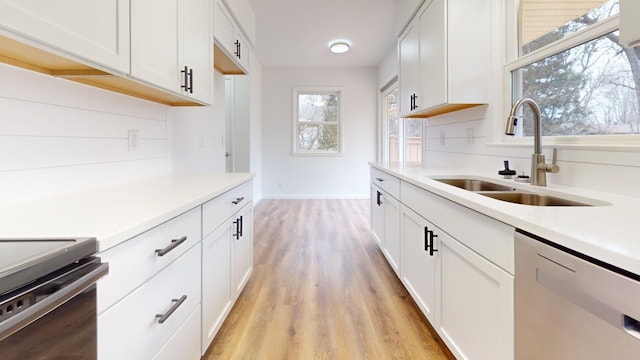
[
  {"x": 95, "y": 31},
  {"x": 453, "y": 58},
  {"x": 629, "y": 24},
  {"x": 171, "y": 49},
  {"x": 408, "y": 51},
  {"x": 197, "y": 47},
  {"x": 404, "y": 12},
  {"x": 232, "y": 49}
]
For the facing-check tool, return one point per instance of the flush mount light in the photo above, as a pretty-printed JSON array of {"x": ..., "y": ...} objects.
[{"x": 339, "y": 46}]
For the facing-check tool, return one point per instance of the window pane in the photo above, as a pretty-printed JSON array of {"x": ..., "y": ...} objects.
[
  {"x": 318, "y": 137},
  {"x": 318, "y": 107},
  {"x": 391, "y": 107},
  {"x": 590, "y": 89},
  {"x": 413, "y": 139},
  {"x": 545, "y": 21}
]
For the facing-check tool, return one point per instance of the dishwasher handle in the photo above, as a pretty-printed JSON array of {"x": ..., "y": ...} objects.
[{"x": 94, "y": 271}]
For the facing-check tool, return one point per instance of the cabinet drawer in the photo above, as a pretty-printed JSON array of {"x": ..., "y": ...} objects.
[
  {"x": 136, "y": 260},
  {"x": 488, "y": 237},
  {"x": 386, "y": 182},
  {"x": 216, "y": 211},
  {"x": 185, "y": 343},
  {"x": 131, "y": 328}
]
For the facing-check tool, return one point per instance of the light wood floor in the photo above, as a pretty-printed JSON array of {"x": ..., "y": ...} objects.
[{"x": 321, "y": 289}]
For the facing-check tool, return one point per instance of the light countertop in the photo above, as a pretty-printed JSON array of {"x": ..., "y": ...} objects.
[
  {"x": 116, "y": 213},
  {"x": 609, "y": 232}
]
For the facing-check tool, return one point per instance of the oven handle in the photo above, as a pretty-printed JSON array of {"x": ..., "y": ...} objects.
[{"x": 51, "y": 302}]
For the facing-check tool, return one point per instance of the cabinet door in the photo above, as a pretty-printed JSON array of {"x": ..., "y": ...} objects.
[
  {"x": 433, "y": 55},
  {"x": 184, "y": 344},
  {"x": 223, "y": 27},
  {"x": 475, "y": 304},
  {"x": 241, "y": 49},
  {"x": 243, "y": 249},
  {"x": 97, "y": 31},
  {"x": 154, "y": 43},
  {"x": 216, "y": 281},
  {"x": 377, "y": 216},
  {"x": 197, "y": 47},
  {"x": 392, "y": 231},
  {"x": 408, "y": 51},
  {"x": 418, "y": 263}
]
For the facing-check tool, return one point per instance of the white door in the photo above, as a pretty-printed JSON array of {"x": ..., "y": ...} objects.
[
  {"x": 216, "y": 281},
  {"x": 475, "y": 304},
  {"x": 154, "y": 43},
  {"x": 243, "y": 249},
  {"x": 197, "y": 47},
  {"x": 392, "y": 231},
  {"x": 94, "y": 30},
  {"x": 433, "y": 54},
  {"x": 419, "y": 262},
  {"x": 409, "y": 73},
  {"x": 377, "y": 215}
]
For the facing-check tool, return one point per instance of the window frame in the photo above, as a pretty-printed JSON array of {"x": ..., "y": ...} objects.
[
  {"x": 386, "y": 90},
  {"x": 296, "y": 91},
  {"x": 513, "y": 62}
]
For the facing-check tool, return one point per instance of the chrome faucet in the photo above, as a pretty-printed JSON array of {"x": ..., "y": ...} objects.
[{"x": 539, "y": 167}]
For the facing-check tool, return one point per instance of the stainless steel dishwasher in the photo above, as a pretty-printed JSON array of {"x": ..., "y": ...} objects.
[{"x": 571, "y": 306}]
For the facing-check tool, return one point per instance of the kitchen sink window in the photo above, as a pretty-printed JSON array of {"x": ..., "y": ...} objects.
[
  {"x": 402, "y": 137},
  {"x": 569, "y": 60},
  {"x": 317, "y": 122}
]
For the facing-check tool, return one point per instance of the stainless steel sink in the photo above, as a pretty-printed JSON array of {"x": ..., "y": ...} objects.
[
  {"x": 525, "y": 198},
  {"x": 475, "y": 185}
]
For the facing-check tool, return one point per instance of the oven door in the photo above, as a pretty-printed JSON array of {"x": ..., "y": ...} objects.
[{"x": 54, "y": 317}]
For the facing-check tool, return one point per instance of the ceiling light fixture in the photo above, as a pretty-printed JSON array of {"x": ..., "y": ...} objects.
[{"x": 339, "y": 46}]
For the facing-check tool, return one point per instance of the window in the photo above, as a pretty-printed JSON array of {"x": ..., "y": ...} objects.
[
  {"x": 391, "y": 124},
  {"x": 570, "y": 62},
  {"x": 402, "y": 137},
  {"x": 317, "y": 122}
]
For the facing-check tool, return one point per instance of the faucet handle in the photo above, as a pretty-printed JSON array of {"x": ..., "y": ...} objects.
[{"x": 553, "y": 167}]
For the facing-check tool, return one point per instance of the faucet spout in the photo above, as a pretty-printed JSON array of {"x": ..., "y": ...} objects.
[
  {"x": 539, "y": 167},
  {"x": 537, "y": 127}
]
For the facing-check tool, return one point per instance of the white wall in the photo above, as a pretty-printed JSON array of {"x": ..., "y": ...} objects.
[
  {"x": 57, "y": 136},
  {"x": 198, "y": 134},
  {"x": 388, "y": 68},
  {"x": 255, "y": 125},
  {"x": 347, "y": 176}
]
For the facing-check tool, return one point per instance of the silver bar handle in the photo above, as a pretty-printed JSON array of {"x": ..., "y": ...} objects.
[
  {"x": 174, "y": 244},
  {"x": 380, "y": 179},
  {"x": 50, "y": 303},
  {"x": 176, "y": 304}
]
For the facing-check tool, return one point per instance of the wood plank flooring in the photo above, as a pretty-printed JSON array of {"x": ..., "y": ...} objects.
[{"x": 322, "y": 289}]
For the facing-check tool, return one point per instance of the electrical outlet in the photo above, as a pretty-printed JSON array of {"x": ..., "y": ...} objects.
[
  {"x": 442, "y": 138},
  {"x": 469, "y": 135},
  {"x": 132, "y": 139}
]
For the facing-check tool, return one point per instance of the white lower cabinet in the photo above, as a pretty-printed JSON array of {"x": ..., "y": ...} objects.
[
  {"x": 227, "y": 256},
  {"x": 377, "y": 216},
  {"x": 419, "y": 261},
  {"x": 475, "y": 317},
  {"x": 243, "y": 249},
  {"x": 457, "y": 264},
  {"x": 139, "y": 325},
  {"x": 185, "y": 343},
  {"x": 385, "y": 224},
  {"x": 216, "y": 281}
]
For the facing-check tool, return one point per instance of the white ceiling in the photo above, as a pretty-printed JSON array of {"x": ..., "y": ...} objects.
[{"x": 297, "y": 32}]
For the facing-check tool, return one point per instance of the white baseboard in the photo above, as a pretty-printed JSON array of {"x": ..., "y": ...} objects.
[{"x": 313, "y": 196}]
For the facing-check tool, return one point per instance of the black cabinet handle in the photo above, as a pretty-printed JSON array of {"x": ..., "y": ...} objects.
[
  {"x": 237, "y": 200},
  {"x": 237, "y": 224},
  {"x": 415, "y": 101},
  {"x": 426, "y": 238},
  {"x": 174, "y": 244},
  {"x": 185, "y": 78},
  {"x": 190, "y": 81},
  {"x": 432, "y": 249},
  {"x": 241, "y": 226},
  {"x": 237, "y": 53},
  {"x": 380, "y": 179},
  {"x": 379, "y": 200},
  {"x": 176, "y": 304}
]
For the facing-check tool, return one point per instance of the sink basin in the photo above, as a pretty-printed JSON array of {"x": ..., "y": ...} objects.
[
  {"x": 532, "y": 199},
  {"x": 475, "y": 185}
]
